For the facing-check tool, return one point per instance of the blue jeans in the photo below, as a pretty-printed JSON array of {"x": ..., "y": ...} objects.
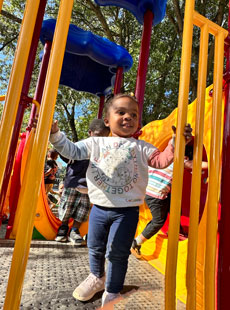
[{"x": 110, "y": 235}]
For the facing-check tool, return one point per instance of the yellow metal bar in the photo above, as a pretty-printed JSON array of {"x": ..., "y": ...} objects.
[
  {"x": 174, "y": 223},
  {"x": 1, "y": 3},
  {"x": 37, "y": 105},
  {"x": 34, "y": 169},
  {"x": 196, "y": 173},
  {"x": 16, "y": 81},
  {"x": 214, "y": 29},
  {"x": 2, "y": 98},
  {"x": 213, "y": 191}
]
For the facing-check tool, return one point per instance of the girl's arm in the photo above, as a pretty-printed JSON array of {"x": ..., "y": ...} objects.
[
  {"x": 68, "y": 149},
  {"x": 163, "y": 159},
  {"x": 189, "y": 164}
]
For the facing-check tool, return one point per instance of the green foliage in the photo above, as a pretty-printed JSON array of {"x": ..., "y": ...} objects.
[{"x": 74, "y": 110}]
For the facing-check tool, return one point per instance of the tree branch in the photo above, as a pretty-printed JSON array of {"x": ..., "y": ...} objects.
[
  {"x": 178, "y": 16},
  {"x": 173, "y": 21},
  {"x": 11, "y": 16},
  {"x": 100, "y": 16},
  {"x": 8, "y": 42},
  {"x": 220, "y": 13}
]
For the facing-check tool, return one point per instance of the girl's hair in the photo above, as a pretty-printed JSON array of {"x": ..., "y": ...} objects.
[{"x": 111, "y": 98}]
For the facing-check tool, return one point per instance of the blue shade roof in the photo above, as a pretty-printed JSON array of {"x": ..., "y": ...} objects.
[
  {"x": 90, "y": 61},
  {"x": 139, "y": 7}
]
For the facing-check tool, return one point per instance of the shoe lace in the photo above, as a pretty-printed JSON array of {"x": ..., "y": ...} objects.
[
  {"x": 91, "y": 279},
  {"x": 74, "y": 235}
]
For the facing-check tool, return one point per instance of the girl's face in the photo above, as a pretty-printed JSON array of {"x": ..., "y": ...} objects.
[{"x": 122, "y": 117}]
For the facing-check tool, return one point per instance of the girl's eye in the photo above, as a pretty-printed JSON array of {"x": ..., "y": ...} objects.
[
  {"x": 121, "y": 113},
  {"x": 134, "y": 115}
]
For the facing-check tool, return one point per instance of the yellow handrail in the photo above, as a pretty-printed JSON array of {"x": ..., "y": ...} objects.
[
  {"x": 192, "y": 17},
  {"x": 196, "y": 173},
  {"x": 176, "y": 197},
  {"x": 214, "y": 176},
  {"x": 16, "y": 81},
  {"x": 34, "y": 167}
]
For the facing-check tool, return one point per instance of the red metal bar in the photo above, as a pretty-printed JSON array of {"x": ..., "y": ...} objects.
[
  {"x": 101, "y": 106},
  {"x": 118, "y": 81},
  {"x": 143, "y": 60},
  {"x": 223, "y": 275},
  {"x": 22, "y": 105},
  {"x": 40, "y": 83}
]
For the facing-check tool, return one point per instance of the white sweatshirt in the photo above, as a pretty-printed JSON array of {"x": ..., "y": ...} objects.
[{"x": 117, "y": 175}]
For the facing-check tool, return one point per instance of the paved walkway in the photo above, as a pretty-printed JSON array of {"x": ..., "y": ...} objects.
[{"x": 54, "y": 270}]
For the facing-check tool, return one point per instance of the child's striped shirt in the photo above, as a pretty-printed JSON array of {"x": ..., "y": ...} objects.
[{"x": 159, "y": 182}]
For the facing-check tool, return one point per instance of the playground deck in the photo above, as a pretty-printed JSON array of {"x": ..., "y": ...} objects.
[{"x": 54, "y": 269}]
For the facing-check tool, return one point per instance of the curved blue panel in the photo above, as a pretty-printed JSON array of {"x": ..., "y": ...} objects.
[
  {"x": 139, "y": 7},
  {"x": 90, "y": 61}
]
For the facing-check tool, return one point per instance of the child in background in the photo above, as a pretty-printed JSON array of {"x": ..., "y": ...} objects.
[
  {"x": 117, "y": 178},
  {"x": 50, "y": 171},
  {"x": 74, "y": 201},
  {"x": 59, "y": 193},
  {"x": 158, "y": 198}
]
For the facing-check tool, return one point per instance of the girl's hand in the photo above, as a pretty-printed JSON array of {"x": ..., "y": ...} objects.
[
  {"x": 54, "y": 127},
  {"x": 187, "y": 132}
]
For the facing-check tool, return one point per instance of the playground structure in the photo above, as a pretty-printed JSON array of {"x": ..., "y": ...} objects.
[
  {"x": 197, "y": 297},
  {"x": 98, "y": 65}
]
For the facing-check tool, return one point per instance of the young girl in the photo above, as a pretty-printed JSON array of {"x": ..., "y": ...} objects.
[{"x": 117, "y": 178}]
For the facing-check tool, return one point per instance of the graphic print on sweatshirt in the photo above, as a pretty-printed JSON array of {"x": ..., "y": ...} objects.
[{"x": 116, "y": 170}]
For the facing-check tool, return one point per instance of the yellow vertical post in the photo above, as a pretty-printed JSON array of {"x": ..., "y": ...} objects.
[
  {"x": 196, "y": 173},
  {"x": 16, "y": 81},
  {"x": 213, "y": 192},
  {"x": 34, "y": 168},
  {"x": 1, "y": 3},
  {"x": 174, "y": 223}
]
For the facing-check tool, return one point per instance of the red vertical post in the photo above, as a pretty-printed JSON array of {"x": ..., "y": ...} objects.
[
  {"x": 101, "y": 106},
  {"x": 41, "y": 82},
  {"x": 223, "y": 275},
  {"x": 143, "y": 60},
  {"x": 118, "y": 81},
  {"x": 22, "y": 105}
]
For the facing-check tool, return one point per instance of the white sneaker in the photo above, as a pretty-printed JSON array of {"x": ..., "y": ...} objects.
[
  {"x": 89, "y": 287},
  {"x": 75, "y": 238},
  {"x": 107, "y": 297}
]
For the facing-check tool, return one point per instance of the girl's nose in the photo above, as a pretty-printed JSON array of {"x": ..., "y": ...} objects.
[{"x": 127, "y": 117}]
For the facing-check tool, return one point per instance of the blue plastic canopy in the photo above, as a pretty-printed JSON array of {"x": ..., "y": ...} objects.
[
  {"x": 139, "y": 7},
  {"x": 90, "y": 61}
]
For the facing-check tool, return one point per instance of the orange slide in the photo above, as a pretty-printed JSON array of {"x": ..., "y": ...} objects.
[{"x": 45, "y": 224}]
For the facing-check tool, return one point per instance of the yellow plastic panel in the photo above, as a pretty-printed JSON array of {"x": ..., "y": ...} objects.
[{"x": 154, "y": 250}]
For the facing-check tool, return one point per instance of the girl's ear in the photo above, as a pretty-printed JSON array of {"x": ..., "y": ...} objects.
[{"x": 106, "y": 121}]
